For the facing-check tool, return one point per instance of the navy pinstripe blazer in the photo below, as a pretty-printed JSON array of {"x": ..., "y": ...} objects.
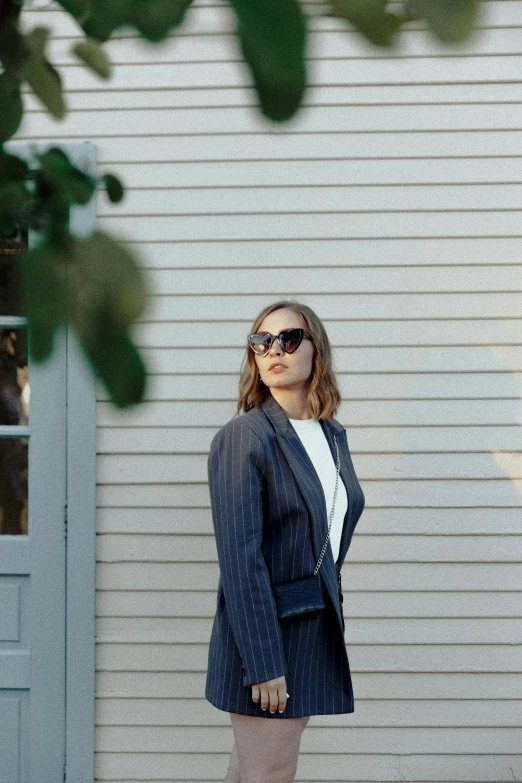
[{"x": 270, "y": 521}]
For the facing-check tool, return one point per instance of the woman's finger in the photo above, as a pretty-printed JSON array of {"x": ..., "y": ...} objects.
[
  {"x": 265, "y": 698},
  {"x": 282, "y": 698},
  {"x": 274, "y": 699}
]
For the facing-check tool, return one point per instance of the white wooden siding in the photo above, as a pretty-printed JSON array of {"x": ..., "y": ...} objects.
[{"x": 391, "y": 205}]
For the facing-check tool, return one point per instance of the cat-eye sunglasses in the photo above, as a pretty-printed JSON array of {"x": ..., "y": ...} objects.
[{"x": 288, "y": 339}]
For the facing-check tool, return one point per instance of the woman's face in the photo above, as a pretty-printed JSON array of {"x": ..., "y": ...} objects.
[{"x": 297, "y": 366}]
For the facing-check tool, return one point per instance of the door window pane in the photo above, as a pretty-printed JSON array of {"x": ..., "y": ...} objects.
[
  {"x": 10, "y": 298},
  {"x": 13, "y": 486},
  {"x": 14, "y": 377},
  {"x": 14, "y": 395}
]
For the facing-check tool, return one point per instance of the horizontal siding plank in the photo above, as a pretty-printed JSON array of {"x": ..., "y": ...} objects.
[
  {"x": 356, "y": 412},
  {"x": 352, "y": 333},
  {"x": 288, "y": 226},
  {"x": 169, "y": 657},
  {"x": 423, "y": 685},
  {"x": 453, "y": 493},
  {"x": 184, "y": 739},
  {"x": 178, "y": 548},
  {"x": 432, "y": 521},
  {"x": 403, "y": 359},
  {"x": 308, "y": 173},
  {"x": 353, "y": 386},
  {"x": 333, "y": 42},
  {"x": 418, "y": 465},
  {"x": 349, "y": 173},
  {"x": 197, "y": 522},
  {"x": 239, "y": 201},
  {"x": 386, "y": 68},
  {"x": 370, "y": 712},
  {"x": 356, "y": 576},
  {"x": 381, "y": 440},
  {"x": 185, "y": 496},
  {"x": 245, "y": 120},
  {"x": 345, "y": 767},
  {"x": 428, "y": 438},
  {"x": 202, "y": 603},
  {"x": 289, "y": 146},
  {"x": 342, "y": 253},
  {"x": 216, "y": 309},
  {"x": 316, "y": 95},
  {"x": 397, "y": 280}
]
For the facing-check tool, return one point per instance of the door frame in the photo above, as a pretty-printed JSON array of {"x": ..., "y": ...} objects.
[{"x": 80, "y": 577}]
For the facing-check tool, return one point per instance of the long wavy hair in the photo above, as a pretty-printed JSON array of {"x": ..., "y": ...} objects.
[{"x": 324, "y": 396}]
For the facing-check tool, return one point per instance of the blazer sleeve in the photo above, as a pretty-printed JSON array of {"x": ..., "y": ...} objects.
[{"x": 235, "y": 471}]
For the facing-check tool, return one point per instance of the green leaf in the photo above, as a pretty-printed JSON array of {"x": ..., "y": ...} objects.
[
  {"x": 154, "y": 19},
  {"x": 44, "y": 292},
  {"x": 77, "y": 8},
  {"x": 73, "y": 185},
  {"x": 14, "y": 194},
  {"x": 95, "y": 284},
  {"x": 11, "y": 106},
  {"x": 108, "y": 293},
  {"x": 108, "y": 276},
  {"x": 114, "y": 187},
  {"x": 451, "y": 21},
  {"x": 44, "y": 80},
  {"x": 8, "y": 225},
  {"x": 115, "y": 359},
  {"x": 273, "y": 36},
  {"x": 370, "y": 18},
  {"x": 12, "y": 166},
  {"x": 90, "y": 52}
]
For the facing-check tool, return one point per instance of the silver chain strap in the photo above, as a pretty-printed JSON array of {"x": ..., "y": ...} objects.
[{"x": 316, "y": 569}]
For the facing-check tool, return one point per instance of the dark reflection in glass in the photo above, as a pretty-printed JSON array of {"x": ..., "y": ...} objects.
[
  {"x": 10, "y": 296},
  {"x": 14, "y": 510},
  {"x": 14, "y": 378},
  {"x": 14, "y": 410}
]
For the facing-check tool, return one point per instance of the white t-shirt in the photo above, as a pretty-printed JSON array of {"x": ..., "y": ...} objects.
[{"x": 314, "y": 440}]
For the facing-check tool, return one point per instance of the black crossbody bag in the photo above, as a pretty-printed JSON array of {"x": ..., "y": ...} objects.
[{"x": 303, "y": 597}]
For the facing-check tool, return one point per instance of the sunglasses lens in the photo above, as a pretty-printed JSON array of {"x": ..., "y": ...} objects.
[
  {"x": 291, "y": 339},
  {"x": 260, "y": 343}
]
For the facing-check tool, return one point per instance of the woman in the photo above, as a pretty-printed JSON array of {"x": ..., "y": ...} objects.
[{"x": 272, "y": 475}]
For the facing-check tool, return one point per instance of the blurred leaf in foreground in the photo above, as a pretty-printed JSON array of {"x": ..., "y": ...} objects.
[
  {"x": 370, "y": 18},
  {"x": 451, "y": 21},
  {"x": 272, "y": 34}
]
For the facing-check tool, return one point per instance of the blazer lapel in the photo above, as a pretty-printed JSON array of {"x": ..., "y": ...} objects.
[{"x": 311, "y": 487}]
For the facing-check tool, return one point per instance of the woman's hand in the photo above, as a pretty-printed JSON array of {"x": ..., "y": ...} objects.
[{"x": 271, "y": 693}]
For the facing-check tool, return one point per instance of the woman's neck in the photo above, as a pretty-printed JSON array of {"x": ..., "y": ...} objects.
[{"x": 294, "y": 405}]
